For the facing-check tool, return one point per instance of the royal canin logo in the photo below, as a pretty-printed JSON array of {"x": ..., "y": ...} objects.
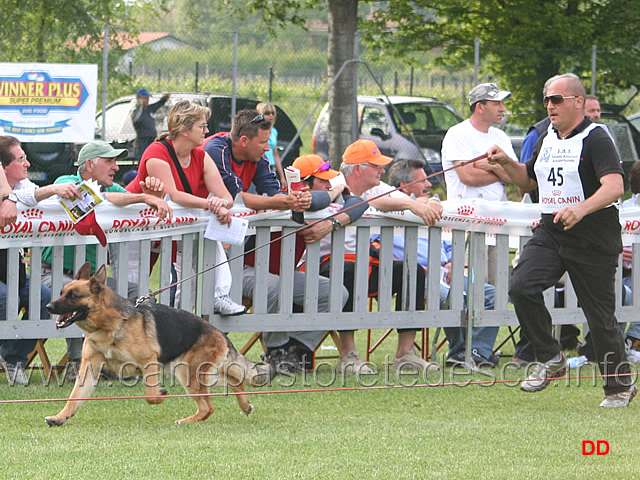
[
  {"x": 32, "y": 214},
  {"x": 556, "y": 193},
  {"x": 465, "y": 210},
  {"x": 148, "y": 213}
]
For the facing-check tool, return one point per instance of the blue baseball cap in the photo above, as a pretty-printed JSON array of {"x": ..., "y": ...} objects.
[{"x": 143, "y": 92}]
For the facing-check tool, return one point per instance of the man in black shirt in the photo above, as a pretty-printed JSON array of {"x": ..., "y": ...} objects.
[
  {"x": 143, "y": 121},
  {"x": 577, "y": 171}
]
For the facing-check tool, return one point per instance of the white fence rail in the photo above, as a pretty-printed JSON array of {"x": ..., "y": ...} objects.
[{"x": 125, "y": 231}]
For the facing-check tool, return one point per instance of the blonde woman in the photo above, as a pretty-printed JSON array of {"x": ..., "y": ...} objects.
[
  {"x": 189, "y": 175},
  {"x": 268, "y": 110}
]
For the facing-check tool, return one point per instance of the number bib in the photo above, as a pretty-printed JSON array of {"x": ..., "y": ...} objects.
[{"x": 557, "y": 171}]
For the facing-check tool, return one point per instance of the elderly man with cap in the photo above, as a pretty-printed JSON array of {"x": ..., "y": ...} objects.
[
  {"x": 362, "y": 167},
  {"x": 143, "y": 121},
  {"x": 97, "y": 161}
]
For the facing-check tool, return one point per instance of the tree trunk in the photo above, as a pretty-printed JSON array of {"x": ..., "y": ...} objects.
[{"x": 343, "y": 18}]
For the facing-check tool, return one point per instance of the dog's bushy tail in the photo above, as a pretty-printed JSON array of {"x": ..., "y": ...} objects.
[{"x": 239, "y": 366}]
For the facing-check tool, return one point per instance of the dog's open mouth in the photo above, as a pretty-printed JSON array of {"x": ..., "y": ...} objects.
[{"x": 70, "y": 318}]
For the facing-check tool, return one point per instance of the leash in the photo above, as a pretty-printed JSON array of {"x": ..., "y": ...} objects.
[
  {"x": 494, "y": 381},
  {"x": 462, "y": 163}
]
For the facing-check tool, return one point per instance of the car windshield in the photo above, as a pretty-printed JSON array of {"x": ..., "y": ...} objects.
[{"x": 423, "y": 118}]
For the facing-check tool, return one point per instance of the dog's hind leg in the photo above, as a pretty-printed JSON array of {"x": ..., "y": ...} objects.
[
  {"x": 235, "y": 374},
  {"x": 188, "y": 378},
  {"x": 86, "y": 381}
]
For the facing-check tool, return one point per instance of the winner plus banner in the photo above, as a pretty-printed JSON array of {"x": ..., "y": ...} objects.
[{"x": 48, "y": 102}]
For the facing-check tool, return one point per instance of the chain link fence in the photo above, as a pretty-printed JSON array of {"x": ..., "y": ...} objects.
[{"x": 289, "y": 70}]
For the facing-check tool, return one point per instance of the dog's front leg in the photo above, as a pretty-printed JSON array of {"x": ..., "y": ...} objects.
[
  {"x": 86, "y": 382},
  {"x": 152, "y": 374}
]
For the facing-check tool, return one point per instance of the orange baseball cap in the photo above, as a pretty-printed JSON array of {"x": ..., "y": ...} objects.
[
  {"x": 314, "y": 165},
  {"x": 365, "y": 151}
]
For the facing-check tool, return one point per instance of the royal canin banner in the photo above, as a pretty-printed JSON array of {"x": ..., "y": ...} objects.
[
  {"x": 48, "y": 102},
  {"x": 49, "y": 224}
]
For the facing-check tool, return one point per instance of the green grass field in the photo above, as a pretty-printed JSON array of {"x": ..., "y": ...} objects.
[{"x": 451, "y": 431}]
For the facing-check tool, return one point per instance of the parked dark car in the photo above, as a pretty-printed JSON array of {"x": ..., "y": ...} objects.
[
  {"x": 121, "y": 134},
  {"x": 635, "y": 120},
  {"x": 427, "y": 120},
  {"x": 49, "y": 161}
]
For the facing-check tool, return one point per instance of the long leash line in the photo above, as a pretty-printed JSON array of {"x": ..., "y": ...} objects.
[
  {"x": 514, "y": 381},
  {"x": 304, "y": 227}
]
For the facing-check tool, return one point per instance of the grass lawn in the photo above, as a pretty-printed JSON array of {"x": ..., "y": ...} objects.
[{"x": 452, "y": 432}]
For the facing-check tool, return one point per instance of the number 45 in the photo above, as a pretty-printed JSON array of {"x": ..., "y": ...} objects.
[{"x": 555, "y": 177}]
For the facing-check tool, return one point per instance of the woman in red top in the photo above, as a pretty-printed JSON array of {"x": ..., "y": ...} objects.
[{"x": 187, "y": 123}]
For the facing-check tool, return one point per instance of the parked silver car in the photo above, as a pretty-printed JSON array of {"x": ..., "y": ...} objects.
[
  {"x": 426, "y": 120},
  {"x": 121, "y": 134}
]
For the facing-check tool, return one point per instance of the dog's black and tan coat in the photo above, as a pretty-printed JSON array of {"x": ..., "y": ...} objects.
[{"x": 147, "y": 338}]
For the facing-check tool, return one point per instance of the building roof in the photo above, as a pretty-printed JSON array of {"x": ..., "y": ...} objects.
[{"x": 127, "y": 41}]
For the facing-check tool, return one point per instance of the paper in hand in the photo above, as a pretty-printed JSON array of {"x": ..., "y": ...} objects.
[
  {"x": 78, "y": 208},
  {"x": 233, "y": 234}
]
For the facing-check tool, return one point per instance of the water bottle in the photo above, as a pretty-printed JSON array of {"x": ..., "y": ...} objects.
[{"x": 576, "y": 362}]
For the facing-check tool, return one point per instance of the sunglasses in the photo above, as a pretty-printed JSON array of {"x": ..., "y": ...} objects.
[
  {"x": 322, "y": 168},
  {"x": 257, "y": 119},
  {"x": 556, "y": 99},
  {"x": 269, "y": 112}
]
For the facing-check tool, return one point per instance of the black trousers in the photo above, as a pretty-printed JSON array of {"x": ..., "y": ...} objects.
[
  {"x": 396, "y": 287},
  {"x": 542, "y": 262}
]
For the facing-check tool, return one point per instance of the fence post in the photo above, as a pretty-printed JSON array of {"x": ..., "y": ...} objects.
[
  {"x": 105, "y": 79},
  {"x": 594, "y": 56},
  {"x": 356, "y": 53},
  {"x": 159, "y": 78},
  {"x": 476, "y": 61},
  {"x": 411, "y": 82},
  {"x": 270, "y": 84},
  {"x": 235, "y": 74},
  {"x": 196, "y": 75}
]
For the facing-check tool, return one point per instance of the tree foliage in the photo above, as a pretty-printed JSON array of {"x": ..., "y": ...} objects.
[
  {"x": 45, "y": 31},
  {"x": 523, "y": 42}
]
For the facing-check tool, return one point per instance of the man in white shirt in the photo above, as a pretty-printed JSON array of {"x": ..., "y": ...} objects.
[{"x": 470, "y": 139}]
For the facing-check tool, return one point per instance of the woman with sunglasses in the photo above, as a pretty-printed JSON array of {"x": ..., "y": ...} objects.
[
  {"x": 190, "y": 176},
  {"x": 268, "y": 110}
]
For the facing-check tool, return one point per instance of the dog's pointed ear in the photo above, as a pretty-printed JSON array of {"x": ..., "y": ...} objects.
[
  {"x": 98, "y": 279},
  {"x": 101, "y": 275},
  {"x": 85, "y": 272}
]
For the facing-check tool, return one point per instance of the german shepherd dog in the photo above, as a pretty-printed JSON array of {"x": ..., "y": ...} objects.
[{"x": 148, "y": 336}]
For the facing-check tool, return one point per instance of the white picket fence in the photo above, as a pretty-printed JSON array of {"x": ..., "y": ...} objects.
[{"x": 198, "y": 254}]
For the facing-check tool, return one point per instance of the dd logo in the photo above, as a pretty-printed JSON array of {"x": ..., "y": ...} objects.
[{"x": 601, "y": 447}]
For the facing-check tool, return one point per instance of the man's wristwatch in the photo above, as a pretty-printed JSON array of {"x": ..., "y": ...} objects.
[
  {"x": 11, "y": 196},
  {"x": 335, "y": 223}
]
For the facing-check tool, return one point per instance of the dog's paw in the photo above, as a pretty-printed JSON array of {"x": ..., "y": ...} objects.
[
  {"x": 163, "y": 391},
  {"x": 53, "y": 421}
]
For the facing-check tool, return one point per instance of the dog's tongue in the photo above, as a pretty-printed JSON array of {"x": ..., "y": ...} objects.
[{"x": 61, "y": 322}]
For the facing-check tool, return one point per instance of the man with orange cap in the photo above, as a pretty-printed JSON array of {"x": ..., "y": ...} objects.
[{"x": 362, "y": 167}]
